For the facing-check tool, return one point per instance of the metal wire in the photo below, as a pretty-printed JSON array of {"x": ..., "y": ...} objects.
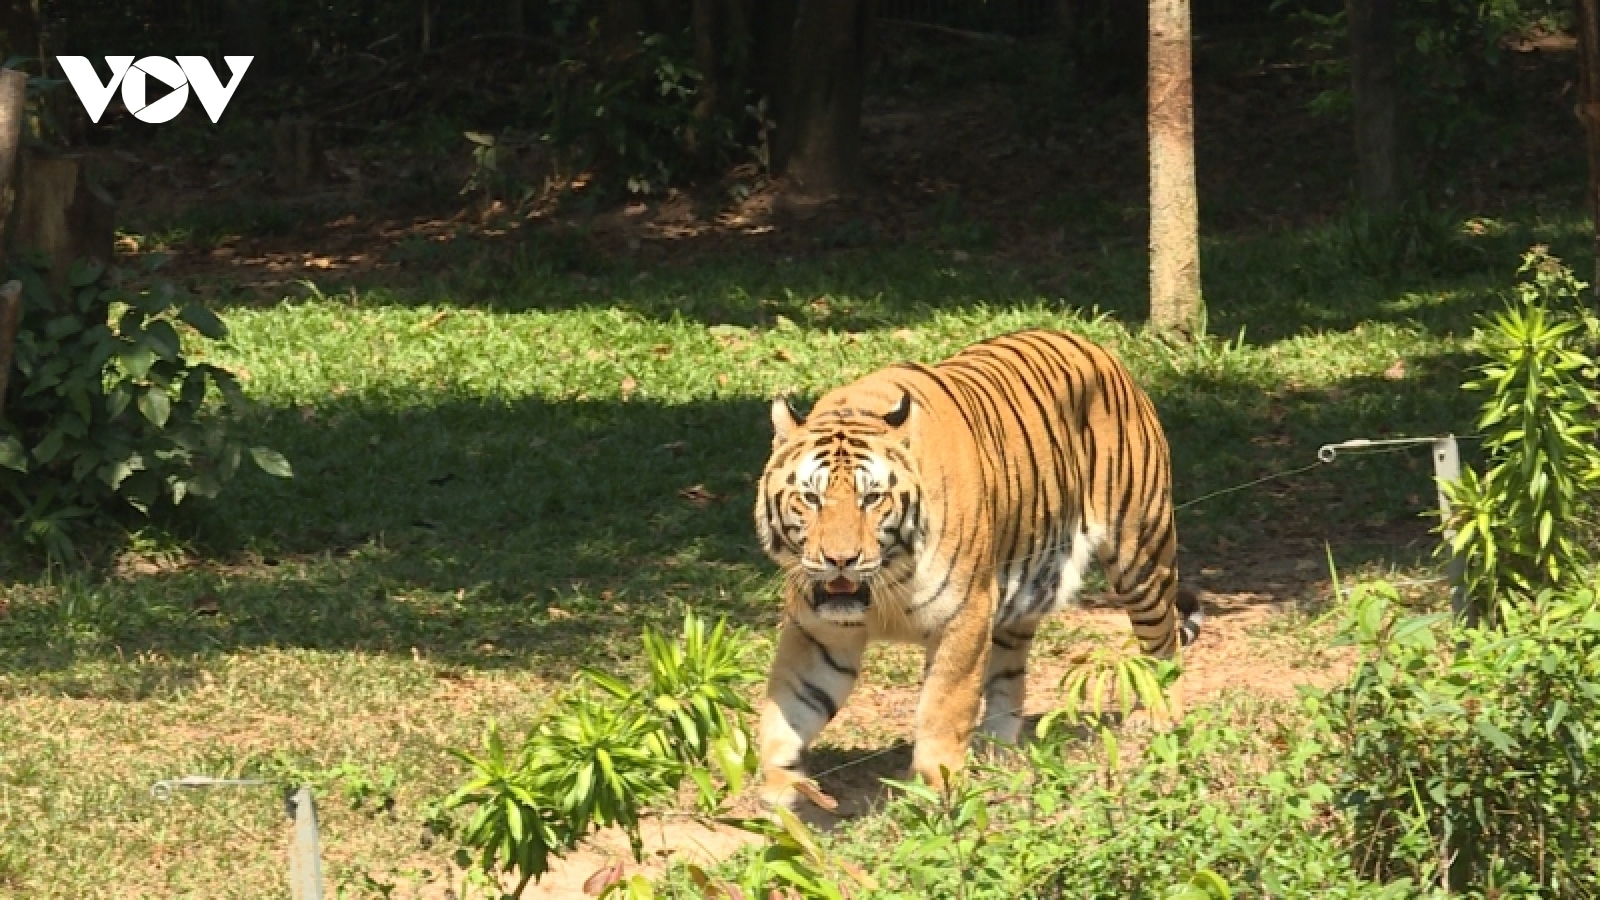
[{"x": 162, "y": 790}]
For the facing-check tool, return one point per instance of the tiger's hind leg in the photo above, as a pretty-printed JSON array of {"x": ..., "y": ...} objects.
[
  {"x": 1141, "y": 566},
  {"x": 815, "y": 669},
  {"x": 1005, "y": 681},
  {"x": 1144, "y": 575}
]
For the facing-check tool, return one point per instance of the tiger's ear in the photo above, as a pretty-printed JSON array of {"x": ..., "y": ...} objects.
[
  {"x": 785, "y": 417},
  {"x": 896, "y": 417}
]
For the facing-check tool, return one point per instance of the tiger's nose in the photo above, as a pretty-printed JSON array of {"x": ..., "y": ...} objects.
[{"x": 840, "y": 563}]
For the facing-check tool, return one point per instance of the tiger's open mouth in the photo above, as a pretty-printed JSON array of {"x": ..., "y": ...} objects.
[{"x": 841, "y": 596}]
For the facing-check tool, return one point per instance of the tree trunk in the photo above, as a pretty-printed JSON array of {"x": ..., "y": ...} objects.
[
  {"x": 819, "y": 136},
  {"x": 13, "y": 120},
  {"x": 1175, "y": 303},
  {"x": 13, "y": 112},
  {"x": 297, "y": 158},
  {"x": 1372, "y": 90},
  {"x": 705, "y": 59},
  {"x": 772, "y": 34},
  {"x": 60, "y": 215},
  {"x": 1588, "y": 22}
]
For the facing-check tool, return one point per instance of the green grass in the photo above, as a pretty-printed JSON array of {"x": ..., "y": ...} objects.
[{"x": 493, "y": 486}]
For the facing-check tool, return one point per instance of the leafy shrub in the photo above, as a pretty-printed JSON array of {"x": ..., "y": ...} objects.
[
  {"x": 1464, "y": 751},
  {"x": 106, "y": 414},
  {"x": 600, "y": 760},
  {"x": 1515, "y": 523},
  {"x": 1453, "y": 59},
  {"x": 1467, "y": 756},
  {"x": 1207, "y": 807},
  {"x": 636, "y": 115}
]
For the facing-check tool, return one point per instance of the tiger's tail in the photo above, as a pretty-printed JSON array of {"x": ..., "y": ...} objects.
[{"x": 1193, "y": 615}]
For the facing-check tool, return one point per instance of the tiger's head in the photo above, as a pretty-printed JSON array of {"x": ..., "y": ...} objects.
[{"x": 837, "y": 505}]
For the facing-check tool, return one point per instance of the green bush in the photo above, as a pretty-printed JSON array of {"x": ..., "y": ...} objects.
[
  {"x": 105, "y": 412},
  {"x": 601, "y": 760},
  {"x": 1467, "y": 756},
  {"x": 1515, "y": 524},
  {"x": 1208, "y": 807},
  {"x": 636, "y": 116}
]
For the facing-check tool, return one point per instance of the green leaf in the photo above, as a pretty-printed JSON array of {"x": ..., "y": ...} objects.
[
  {"x": 1494, "y": 735},
  {"x": 161, "y": 337},
  {"x": 271, "y": 462},
  {"x": 137, "y": 360},
  {"x": 204, "y": 321},
  {"x": 47, "y": 449},
  {"x": 156, "y": 406},
  {"x": 117, "y": 400},
  {"x": 12, "y": 454},
  {"x": 85, "y": 272}
]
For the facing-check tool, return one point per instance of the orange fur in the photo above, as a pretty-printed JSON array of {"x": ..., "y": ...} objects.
[{"x": 954, "y": 506}]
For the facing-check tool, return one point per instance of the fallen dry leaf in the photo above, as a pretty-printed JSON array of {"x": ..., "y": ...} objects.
[
  {"x": 662, "y": 350},
  {"x": 602, "y": 879},
  {"x": 809, "y": 790},
  {"x": 1396, "y": 371},
  {"x": 698, "y": 495},
  {"x": 433, "y": 320},
  {"x": 783, "y": 355},
  {"x": 628, "y": 386},
  {"x": 556, "y": 613},
  {"x": 722, "y": 379}
]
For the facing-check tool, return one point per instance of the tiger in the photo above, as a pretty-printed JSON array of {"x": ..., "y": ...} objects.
[{"x": 955, "y": 506}]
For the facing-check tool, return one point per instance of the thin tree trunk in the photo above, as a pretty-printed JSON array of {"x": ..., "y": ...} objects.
[
  {"x": 821, "y": 132},
  {"x": 1372, "y": 90},
  {"x": 13, "y": 112},
  {"x": 1588, "y": 21},
  {"x": 705, "y": 59},
  {"x": 1175, "y": 302},
  {"x": 13, "y": 120},
  {"x": 772, "y": 34}
]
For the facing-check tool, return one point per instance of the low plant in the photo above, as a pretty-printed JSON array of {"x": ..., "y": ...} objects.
[
  {"x": 1466, "y": 756},
  {"x": 106, "y": 414},
  {"x": 1514, "y": 524},
  {"x": 606, "y": 753}
]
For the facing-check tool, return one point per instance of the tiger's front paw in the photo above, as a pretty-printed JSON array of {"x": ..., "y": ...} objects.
[
  {"x": 937, "y": 769},
  {"x": 779, "y": 788}
]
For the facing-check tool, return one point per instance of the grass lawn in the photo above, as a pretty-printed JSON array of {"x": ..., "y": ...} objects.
[{"x": 502, "y": 476}]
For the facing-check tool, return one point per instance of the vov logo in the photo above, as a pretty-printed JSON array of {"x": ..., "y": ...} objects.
[{"x": 134, "y": 78}]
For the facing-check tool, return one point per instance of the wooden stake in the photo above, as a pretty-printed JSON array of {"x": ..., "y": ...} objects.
[{"x": 1588, "y": 111}]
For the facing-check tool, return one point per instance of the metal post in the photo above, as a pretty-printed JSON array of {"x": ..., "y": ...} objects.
[
  {"x": 1447, "y": 470},
  {"x": 305, "y": 857}
]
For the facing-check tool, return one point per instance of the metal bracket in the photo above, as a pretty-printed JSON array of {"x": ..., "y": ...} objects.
[{"x": 305, "y": 853}]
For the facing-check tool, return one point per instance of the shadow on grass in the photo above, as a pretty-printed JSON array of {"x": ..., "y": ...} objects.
[
  {"x": 544, "y": 535},
  {"x": 1328, "y": 277}
]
